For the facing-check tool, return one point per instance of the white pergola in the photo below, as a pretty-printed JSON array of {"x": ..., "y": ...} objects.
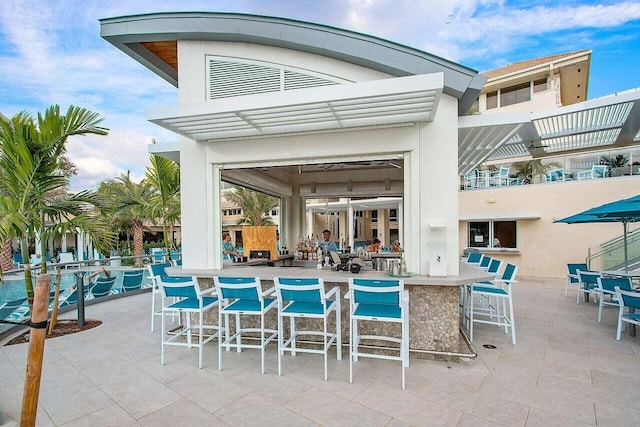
[{"x": 610, "y": 121}]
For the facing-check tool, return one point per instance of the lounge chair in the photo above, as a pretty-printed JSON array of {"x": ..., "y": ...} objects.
[
  {"x": 102, "y": 286},
  {"x": 9, "y": 307},
  {"x": 132, "y": 280},
  {"x": 72, "y": 297}
]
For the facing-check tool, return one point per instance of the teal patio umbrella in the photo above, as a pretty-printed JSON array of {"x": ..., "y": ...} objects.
[{"x": 623, "y": 211}]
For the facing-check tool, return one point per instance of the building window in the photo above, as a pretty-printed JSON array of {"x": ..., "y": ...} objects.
[
  {"x": 374, "y": 216},
  {"x": 357, "y": 214},
  {"x": 489, "y": 234},
  {"x": 515, "y": 94},
  {"x": 274, "y": 212},
  {"x": 539, "y": 85},
  {"x": 492, "y": 100},
  {"x": 393, "y": 214}
]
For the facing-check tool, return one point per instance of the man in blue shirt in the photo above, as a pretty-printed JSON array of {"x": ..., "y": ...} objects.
[
  {"x": 228, "y": 250},
  {"x": 326, "y": 245}
]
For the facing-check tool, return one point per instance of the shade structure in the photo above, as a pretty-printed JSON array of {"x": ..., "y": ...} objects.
[{"x": 623, "y": 211}]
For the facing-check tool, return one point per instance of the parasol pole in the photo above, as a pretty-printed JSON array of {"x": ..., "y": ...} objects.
[{"x": 626, "y": 256}]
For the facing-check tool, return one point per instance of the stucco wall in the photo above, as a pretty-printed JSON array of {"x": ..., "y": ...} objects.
[
  {"x": 430, "y": 151},
  {"x": 545, "y": 247}
]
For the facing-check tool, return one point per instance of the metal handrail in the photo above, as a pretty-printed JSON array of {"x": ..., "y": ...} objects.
[{"x": 611, "y": 245}]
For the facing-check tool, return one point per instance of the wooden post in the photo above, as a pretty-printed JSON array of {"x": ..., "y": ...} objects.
[
  {"x": 36, "y": 351},
  {"x": 56, "y": 301}
]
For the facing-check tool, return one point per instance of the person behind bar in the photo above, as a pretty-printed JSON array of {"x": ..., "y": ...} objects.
[
  {"x": 228, "y": 250},
  {"x": 374, "y": 246},
  {"x": 326, "y": 245},
  {"x": 395, "y": 246}
]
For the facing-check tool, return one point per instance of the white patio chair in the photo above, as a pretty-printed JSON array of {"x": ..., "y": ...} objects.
[
  {"x": 243, "y": 296},
  {"x": 629, "y": 303},
  {"x": 572, "y": 275},
  {"x": 155, "y": 271},
  {"x": 306, "y": 299},
  {"x": 183, "y": 295},
  {"x": 378, "y": 301},
  {"x": 607, "y": 291},
  {"x": 500, "y": 291},
  {"x": 588, "y": 284}
]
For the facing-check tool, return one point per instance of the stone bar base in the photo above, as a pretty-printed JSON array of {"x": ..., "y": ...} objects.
[{"x": 433, "y": 319}]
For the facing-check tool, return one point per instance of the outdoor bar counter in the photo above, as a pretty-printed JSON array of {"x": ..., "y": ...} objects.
[{"x": 433, "y": 302}]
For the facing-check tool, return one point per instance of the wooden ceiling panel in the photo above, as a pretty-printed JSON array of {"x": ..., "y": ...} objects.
[{"x": 167, "y": 51}]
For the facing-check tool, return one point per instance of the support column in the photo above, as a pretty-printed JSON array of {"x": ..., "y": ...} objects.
[
  {"x": 401, "y": 224},
  {"x": 214, "y": 223},
  {"x": 350, "y": 225},
  {"x": 309, "y": 223}
]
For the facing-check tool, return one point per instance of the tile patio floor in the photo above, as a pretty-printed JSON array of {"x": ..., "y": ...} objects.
[{"x": 566, "y": 370}]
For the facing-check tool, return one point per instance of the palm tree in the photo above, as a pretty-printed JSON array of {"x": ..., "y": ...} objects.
[
  {"x": 529, "y": 169},
  {"x": 33, "y": 183},
  {"x": 255, "y": 206},
  {"x": 129, "y": 203},
  {"x": 163, "y": 176}
]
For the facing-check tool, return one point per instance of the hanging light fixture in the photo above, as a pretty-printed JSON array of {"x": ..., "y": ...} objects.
[
  {"x": 313, "y": 184},
  {"x": 387, "y": 182}
]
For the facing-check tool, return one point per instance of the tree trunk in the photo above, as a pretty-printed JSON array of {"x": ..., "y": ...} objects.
[
  {"x": 28, "y": 279},
  {"x": 6, "y": 262},
  {"x": 137, "y": 242}
]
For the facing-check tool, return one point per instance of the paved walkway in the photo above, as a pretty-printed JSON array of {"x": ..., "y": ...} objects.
[{"x": 567, "y": 370}]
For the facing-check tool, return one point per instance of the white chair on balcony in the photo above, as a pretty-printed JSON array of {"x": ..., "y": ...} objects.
[
  {"x": 500, "y": 178},
  {"x": 597, "y": 171},
  {"x": 555, "y": 175},
  {"x": 471, "y": 180}
]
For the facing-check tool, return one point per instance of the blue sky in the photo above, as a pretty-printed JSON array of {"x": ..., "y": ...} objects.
[{"x": 51, "y": 53}]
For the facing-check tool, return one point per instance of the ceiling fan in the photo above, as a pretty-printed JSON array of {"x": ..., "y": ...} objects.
[{"x": 534, "y": 146}]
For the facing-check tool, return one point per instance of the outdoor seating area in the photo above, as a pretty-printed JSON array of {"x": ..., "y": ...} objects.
[
  {"x": 561, "y": 372},
  {"x": 607, "y": 288}
]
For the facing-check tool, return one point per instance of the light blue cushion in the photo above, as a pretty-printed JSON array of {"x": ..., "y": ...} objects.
[
  {"x": 489, "y": 290},
  {"x": 390, "y": 311},
  {"x": 304, "y": 307},
  {"x": 248, "y": 305}
]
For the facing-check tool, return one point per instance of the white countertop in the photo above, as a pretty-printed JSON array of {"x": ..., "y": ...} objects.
[{"x": 468, "y": 274}]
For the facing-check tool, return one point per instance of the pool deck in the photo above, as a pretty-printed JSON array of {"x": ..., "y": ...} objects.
[{"x": 567, "y": 369}]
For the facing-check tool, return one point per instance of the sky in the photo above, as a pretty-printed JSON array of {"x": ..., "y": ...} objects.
[{"x": 51, "y": 52}]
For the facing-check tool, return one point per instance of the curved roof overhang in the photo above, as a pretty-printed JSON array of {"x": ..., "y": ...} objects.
[{"x": 144, "y": 37}]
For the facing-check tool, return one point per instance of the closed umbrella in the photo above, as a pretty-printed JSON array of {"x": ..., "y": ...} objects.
[{"x": 624, "y": 211}]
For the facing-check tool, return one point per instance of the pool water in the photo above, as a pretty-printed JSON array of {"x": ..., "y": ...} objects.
[{"x": 13, "y": 288}]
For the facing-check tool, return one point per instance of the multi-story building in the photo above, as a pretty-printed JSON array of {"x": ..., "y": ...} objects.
[{"x": 536, "y": 151}]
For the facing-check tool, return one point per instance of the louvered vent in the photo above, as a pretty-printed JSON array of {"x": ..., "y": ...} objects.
[
  {"x": 294, "y": 80},
  {"x": 235, "y": 79}
]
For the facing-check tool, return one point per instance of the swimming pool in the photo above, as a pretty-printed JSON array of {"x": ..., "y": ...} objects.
[{"x": 13, "y": 288}]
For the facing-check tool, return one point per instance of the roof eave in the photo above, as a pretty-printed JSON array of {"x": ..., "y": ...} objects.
[{"x": 127, "y": 32}]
